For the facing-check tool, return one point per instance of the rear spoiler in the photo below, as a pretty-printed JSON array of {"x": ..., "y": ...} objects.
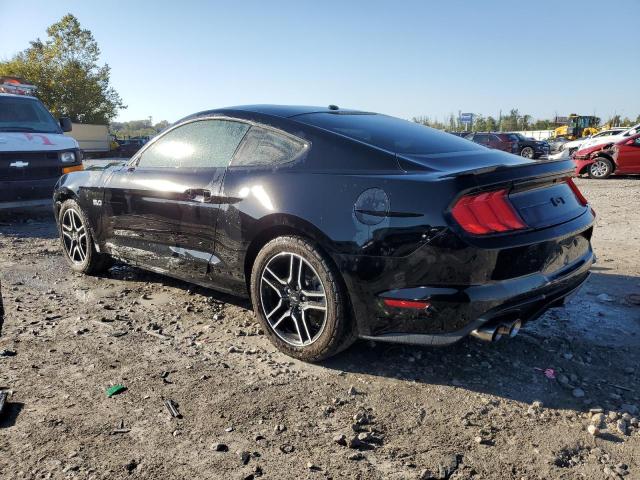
[{"x": 513, "y": 173}]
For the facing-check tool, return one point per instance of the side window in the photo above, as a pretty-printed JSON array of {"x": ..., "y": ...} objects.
[
  {"x": 199, "y": 144},
  {"x": 266, "y": 147},
  {"x": 481, "y": 138}
]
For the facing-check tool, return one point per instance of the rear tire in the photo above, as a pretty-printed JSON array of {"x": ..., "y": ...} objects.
[
  {"x": 77, "y": 242},
  {"x": 600, "y": 168},
  {"x": 300, "y": 300}
]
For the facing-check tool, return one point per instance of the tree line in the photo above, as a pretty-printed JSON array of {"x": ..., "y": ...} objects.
[
  {"x": 512, "y": 122},
  {"x": 137, "y": 128}
]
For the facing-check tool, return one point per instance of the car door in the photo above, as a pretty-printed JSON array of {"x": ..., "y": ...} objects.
[
  {"x": 496, "y": 143},
  {"x": 249, "y": 193},
  {"x": 629, "y": 156},
  {"x": 161, "y": 208}
]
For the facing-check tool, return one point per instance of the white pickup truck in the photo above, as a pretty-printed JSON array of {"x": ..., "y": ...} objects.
[{"x": 34, "y": 152}]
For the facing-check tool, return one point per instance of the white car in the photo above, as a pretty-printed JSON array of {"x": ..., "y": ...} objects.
[
  {"x": 34, "y": 153},
  {"x": 607, "y": 136}
]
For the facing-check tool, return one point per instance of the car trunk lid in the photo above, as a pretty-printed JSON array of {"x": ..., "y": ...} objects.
[{"x": 542, "y": 193}]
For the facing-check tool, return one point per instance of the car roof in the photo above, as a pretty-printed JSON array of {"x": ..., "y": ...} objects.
[{"x": 285, "y": 111}]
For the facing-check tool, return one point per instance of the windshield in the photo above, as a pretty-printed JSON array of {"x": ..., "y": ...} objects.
[
  {"x": 25, "y": 114},
  {"x": 389, "y": 133}
]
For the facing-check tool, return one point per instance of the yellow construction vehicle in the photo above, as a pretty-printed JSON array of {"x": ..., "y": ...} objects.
[{"x": 576, "y": 126}]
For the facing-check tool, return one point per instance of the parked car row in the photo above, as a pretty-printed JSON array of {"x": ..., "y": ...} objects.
[
  {"x": 611, "y": 135},
  {"x": 515, "y": 143},
  {"x": 602, "y": 160}
]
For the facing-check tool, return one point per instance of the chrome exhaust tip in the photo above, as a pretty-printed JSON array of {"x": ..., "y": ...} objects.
[
  {"x": 487, "y": 334},
  {"x": 496, "y": 332},
  {"x": 515, "y": 328}
]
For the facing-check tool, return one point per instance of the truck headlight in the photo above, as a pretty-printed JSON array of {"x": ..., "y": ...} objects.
[{"x": 68, "y": 157}]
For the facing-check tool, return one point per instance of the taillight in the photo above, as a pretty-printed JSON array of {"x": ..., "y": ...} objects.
[
  {"x": 576, "y": 191},
  {"x": 489, "y": 212}
]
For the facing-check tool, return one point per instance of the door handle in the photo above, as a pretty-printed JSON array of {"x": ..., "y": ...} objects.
[{"x": 201, "y": 195}]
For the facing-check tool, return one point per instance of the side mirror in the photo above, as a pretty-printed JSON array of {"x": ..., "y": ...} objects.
[{"x": 65, "y": 123}]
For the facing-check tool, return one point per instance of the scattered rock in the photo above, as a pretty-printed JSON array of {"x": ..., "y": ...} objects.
[
  {"x": 244, "y": 457},
  {"x": 287, "y": 448},
  {"x": 577, "y": 393},
  {"x": 622, "y": 427},
  {"x": 598, "y": 419},
  {"x": 593, "y": 430},
  {"x": 220, "y": 447},
  {"x": 356, "y": 456},
  {"x": 340, "y": 440},
  {"x": 131, "y": 466}
]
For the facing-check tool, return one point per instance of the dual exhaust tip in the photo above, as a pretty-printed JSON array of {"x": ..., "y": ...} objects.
[{"x": 493, "y": 333}]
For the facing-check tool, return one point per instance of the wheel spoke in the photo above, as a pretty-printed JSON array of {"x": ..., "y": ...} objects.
[
  {"x": 277, "y": 278},
  {"x": 309, "y": 293},
  {"x": 277, "y": 290},
  {"x": 66, "y": 234},
  {"x": 290, "y": 269},
  {"x": 295, "y": 322},
  {"x": 313, "y": 306},
  {"x": 284, "y": 315},
  {"x": 275, "y": 309},
  {"x": 300, "y": 286},
  {"x": 74, "y": 220},
  {"x": 304, "y": 324}
]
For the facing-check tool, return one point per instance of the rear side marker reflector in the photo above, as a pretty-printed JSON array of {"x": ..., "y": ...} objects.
[
  {"x": 489, "y": 212},
  {"x": 75, "y": 168},
  {"x": 391, "y": 302}
]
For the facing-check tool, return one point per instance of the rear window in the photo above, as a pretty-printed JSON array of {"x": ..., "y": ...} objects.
[
  {"x": 263, "y": 147},
  {"x": 389, "y": 133}
]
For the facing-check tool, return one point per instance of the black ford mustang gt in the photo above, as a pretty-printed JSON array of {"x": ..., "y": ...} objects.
[{"x": 339, "y": 224}]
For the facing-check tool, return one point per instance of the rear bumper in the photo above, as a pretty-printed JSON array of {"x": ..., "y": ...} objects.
[
  {"x": 523, "y": 299},
  {"x": 466, "y": 285}
]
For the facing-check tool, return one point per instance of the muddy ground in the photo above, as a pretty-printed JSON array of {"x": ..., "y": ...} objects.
[{"x": 467, "y": 411}]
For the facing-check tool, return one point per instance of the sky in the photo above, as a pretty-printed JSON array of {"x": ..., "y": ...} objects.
[{"x": 404, "y": 58}]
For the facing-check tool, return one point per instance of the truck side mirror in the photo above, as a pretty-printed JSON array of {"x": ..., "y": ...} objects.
[{"x": 65, "y": 123}]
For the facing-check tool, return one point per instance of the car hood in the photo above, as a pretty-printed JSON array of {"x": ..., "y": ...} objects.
[
  {"x": 35, "y": 142},
  {"x": 601, "y": 141}
]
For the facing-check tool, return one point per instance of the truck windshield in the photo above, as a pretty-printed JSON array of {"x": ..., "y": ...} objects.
[{"x": 25, "y": 114}]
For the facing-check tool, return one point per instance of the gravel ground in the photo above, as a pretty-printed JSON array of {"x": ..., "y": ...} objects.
[{"x": 246, "y": 411}]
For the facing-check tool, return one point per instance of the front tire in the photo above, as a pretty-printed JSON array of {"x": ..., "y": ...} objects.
[
  {"x": 600, "y": 168},
  {"x": 77, "y": 242},
  {"x": 527, "y": 152},
  {"x": 300, "y": 300}
]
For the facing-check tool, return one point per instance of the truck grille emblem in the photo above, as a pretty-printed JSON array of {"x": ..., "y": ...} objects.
[{"x": 19, "y": 164}]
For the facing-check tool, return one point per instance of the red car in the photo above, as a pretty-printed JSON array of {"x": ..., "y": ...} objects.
[{"x": 600, "y": 161}]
